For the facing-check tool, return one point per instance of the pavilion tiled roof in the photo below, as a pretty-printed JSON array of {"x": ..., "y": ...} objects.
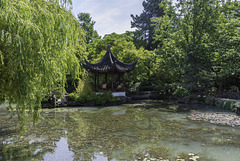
[{"x": 108, "y": 64}]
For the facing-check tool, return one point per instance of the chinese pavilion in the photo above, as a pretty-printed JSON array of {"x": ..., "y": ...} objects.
[{"x": 109, "y": 65}]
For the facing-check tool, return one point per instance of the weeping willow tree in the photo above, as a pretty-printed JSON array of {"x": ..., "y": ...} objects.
[{"x": 39, "y": 42}]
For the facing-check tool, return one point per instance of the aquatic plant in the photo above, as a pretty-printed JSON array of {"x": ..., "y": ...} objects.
[{"x": 120, "y": 133}]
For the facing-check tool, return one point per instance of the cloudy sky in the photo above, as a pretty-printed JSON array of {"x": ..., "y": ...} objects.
[{"x": 110, "y": 15}]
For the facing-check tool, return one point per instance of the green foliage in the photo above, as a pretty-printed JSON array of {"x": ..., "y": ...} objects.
[
  {"x": 146, "y": 86},
  {"x": 137, "y": 38},
  {"x": 39, "y": 44},
  {"x": 180, "y": 92},
  {"x": 84, "y": 93},
  {"x": 88, "y": 25},
  {"x": 199, "y": 44},
  {"x": 228, "y": 105},
  {"x": 98, "y": 99},
  {"x": 211, "y": 101},
  {"x": 226, "y": 58},
  {"x": 84, "y": 87},
  {"x": 134, "y": 87},
  {"x": 165, "y": 89},
  {"x": 124, "y": 49},
  {"x": 143, "y": 21},
  {"x": 104, "y": 97}
]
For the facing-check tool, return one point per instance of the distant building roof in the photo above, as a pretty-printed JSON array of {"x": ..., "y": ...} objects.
[{"x": 109, "y": 63}]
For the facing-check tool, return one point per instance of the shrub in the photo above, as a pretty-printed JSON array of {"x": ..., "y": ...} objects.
[
  {"x": 84, "y": 88},
  {"x": 99, "y": 99},
  {"x": 74, "y": 96},
  {"x": 228, "y": 105},
  {"x": 210, "y": 100},
  {"x": 105, "y": 97},
  {"x": 135, "y": 87},
  {"x": 164, "y": 88},
  {"x": 180, "y": 92}
]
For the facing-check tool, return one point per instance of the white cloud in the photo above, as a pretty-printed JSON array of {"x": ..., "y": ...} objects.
[{"x": 110, "y": 15}]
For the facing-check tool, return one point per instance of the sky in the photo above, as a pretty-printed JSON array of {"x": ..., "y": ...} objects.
[{"x": 110, "y": 15}]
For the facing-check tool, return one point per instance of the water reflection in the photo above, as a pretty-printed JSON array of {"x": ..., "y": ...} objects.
[
  {"x": 116, "y": 133},
  {"x": 61, "y": 152}
]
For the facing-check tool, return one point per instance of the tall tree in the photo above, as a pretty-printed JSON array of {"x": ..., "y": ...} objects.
[
  {"x": 205, "y": 33},
  {"x": 144, "y": 23},
  {"x": 87, "y": 24},
  {"x": 38, "y": 44},
  {"x": 226, "y": 59}
]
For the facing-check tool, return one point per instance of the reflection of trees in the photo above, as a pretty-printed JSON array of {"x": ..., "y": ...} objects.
[
  {"x": 89, "y": 133},
  {"x": 21, "y": 145},
  {"x": 117, "y": 135}
]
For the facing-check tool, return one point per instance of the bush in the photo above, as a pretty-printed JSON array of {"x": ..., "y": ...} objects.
[
  {"x": 164, "y": 88},
  {"x": 84, "y": 93},
  {"x": 210, "y": 100},
  {"x": 228, "y": 105},
  {"x": 73, "y": 96},
  {"x": 105, "y": 97},
  {"x": 98, "y": 99},
  {"x": 84, "y": 88},
  {"x": 135, "y": 87},
  {"x": 180, "y": 92}
]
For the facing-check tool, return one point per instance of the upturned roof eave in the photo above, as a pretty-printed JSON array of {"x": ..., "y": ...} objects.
[{"x": 108, "y": 64}]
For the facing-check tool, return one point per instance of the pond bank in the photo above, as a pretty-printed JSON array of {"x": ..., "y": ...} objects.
[{"x": 67, "y": 102}]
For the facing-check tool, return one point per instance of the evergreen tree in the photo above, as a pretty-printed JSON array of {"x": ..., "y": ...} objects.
[
  {"x": 87, "y": 24},
  {"x": 144, "y": 22}
]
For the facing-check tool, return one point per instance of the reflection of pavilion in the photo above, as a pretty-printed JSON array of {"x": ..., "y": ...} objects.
[{"x": 109, "y": 64}]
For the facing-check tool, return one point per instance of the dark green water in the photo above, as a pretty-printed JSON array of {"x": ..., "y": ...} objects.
[{"x": 151, "y": 128}]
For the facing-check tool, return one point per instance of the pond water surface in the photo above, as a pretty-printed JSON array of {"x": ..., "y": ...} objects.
[{"x": 152, "y": 129}]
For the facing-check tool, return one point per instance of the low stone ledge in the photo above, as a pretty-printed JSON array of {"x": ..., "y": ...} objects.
[
  {"x": 67, "y": 102},
  {"x": 144, "y": 95}
]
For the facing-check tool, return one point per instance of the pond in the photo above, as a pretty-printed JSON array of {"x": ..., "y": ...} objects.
[{"x": 145, "y": 129}]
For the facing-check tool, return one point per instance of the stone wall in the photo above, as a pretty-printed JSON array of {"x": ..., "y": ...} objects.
[{"x": 144, "y": 95}]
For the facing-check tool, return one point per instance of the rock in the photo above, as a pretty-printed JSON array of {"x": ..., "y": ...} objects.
[
  {"x": 197, "y": 157},
  {"x": 191, "y": 154}
]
